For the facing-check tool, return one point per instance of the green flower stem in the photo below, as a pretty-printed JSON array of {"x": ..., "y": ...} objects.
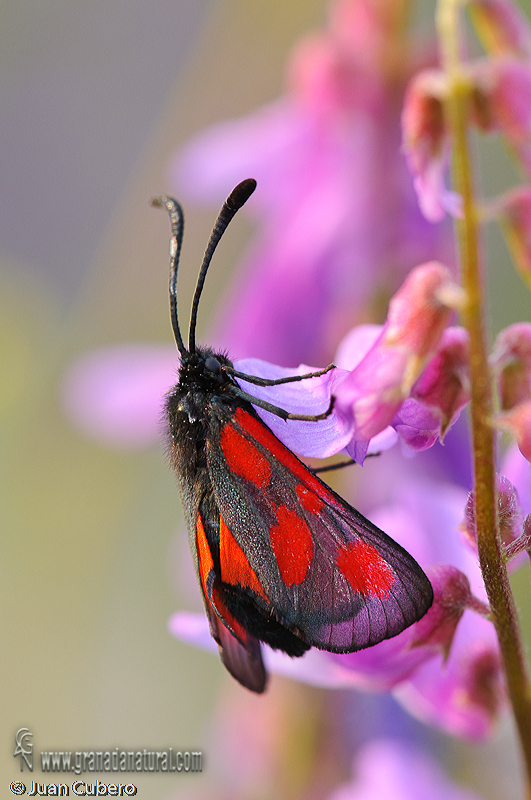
[{"x": 491, "y": 559}]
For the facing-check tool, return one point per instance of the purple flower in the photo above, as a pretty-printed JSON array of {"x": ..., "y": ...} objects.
[
  {"x": 310, "y": 396},
  {"x": 114, "y": 395},
  {"x": 499, "y": 101},
  {"x": 390, "y": 770},
  {"x": 389, "y": 663},
  {"x": 511, "y": 359},
  {"x": 339, "y": 222},
  {"x": 453, "y": 691},
  {"x": 464, "y": 694},
  {"x": 509, "y": 513},
  {"x": 427, "y": 146},
  {"x": 376, "y": 388},
  {"x": 446, "y": 668}
]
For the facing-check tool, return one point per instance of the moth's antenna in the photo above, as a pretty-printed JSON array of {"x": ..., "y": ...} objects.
[
  {"x": 235, "y": 201},
  {"x": 177, "y": 227}
]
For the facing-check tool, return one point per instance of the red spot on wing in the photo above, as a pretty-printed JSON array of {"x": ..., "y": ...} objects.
[
  {"x": 365, "y": 569},
  {"x": 259, "y": 431},
  {"x": 235, "y": 568},
  {"x": 244, "y": 458},
  {"x": 292, "y": 545},
  {"x": 308, "y": 499}
]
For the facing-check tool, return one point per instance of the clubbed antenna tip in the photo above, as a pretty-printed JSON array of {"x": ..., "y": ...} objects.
[{"x": 240, "y": 194}]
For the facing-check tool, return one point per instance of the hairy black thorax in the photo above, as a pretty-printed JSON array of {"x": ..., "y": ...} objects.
[{"x": 189, "y": 406}]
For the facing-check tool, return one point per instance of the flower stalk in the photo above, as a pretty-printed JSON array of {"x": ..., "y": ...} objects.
[{"x": 489, "y": 544}]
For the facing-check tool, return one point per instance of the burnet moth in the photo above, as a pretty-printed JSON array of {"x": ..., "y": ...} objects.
[{"x": 279, "y": 556}]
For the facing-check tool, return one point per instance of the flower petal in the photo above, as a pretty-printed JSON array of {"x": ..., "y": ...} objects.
[
  {"x": 115, "y": 395},
  {"x": 375, "y": 389},
  {"x": 318, "y": 439},
  {"x": 464, "y": 694}
]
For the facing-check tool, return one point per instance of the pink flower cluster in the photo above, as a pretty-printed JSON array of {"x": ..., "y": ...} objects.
[
  {"x": 499, "y": 99},
  {"x": 341, "y": 230},
  {"x": 408, "y": 375},
  {"x": 339, "y": 225},
  {"x": 407, "y": 380}
]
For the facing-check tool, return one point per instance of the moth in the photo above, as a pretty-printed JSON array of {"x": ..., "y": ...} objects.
[{"x": 279, "y": 556}]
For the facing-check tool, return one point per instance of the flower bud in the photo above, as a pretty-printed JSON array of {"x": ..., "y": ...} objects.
[
  {"x": 509, "y": 513},
  {"x": 511, "y": 359}
]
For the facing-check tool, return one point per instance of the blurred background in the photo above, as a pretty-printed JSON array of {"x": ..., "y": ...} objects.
[{"x": 96, "y": 98}]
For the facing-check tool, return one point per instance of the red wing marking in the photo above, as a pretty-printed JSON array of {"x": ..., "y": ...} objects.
[
  {"x": 292, "y": 545},
  {"x": 243, "y": 458},
  {"x": 203, "y": 553},
  {"x": 235, "y": 568},
  {"x": 210, "y": 588},
  {"x": 365, "y": 569},
  {"x": 227, "y": 618},
  {"x": 309, "y": 500},
  {"x": 259, "y": 431}
]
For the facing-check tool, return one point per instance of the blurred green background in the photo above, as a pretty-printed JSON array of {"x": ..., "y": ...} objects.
[{"x": 96, "y": 97}]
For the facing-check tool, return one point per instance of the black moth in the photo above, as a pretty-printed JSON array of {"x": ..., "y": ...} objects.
[{"x": 279, "y": 556}]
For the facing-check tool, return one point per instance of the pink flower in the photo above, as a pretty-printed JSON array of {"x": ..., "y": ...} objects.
[
  {"x": 391, "y": 770},
  {"x": 376, "y": 388},
  {"x": 446, "y": 668},
  {"x": 518, "y": 471},
  {"x": 452, "y": 692},
  {"x": 339, "y": 224},
  {"x": 502, "y": 101},
  {"x": 499, "y": 101},
  {"x": 389, "y": 663},
  {"x": 426, "y": 144},
  {"x": 379, "y": 384},
  {"x": 509, "y": 513},
  {"x": 114, "y": 395},
  {"x": 464, "y": 694},
  {"x": 444, "y": 386},
  {"x": 511, "y": 359},
  {"x": 517, "y": 538}
]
